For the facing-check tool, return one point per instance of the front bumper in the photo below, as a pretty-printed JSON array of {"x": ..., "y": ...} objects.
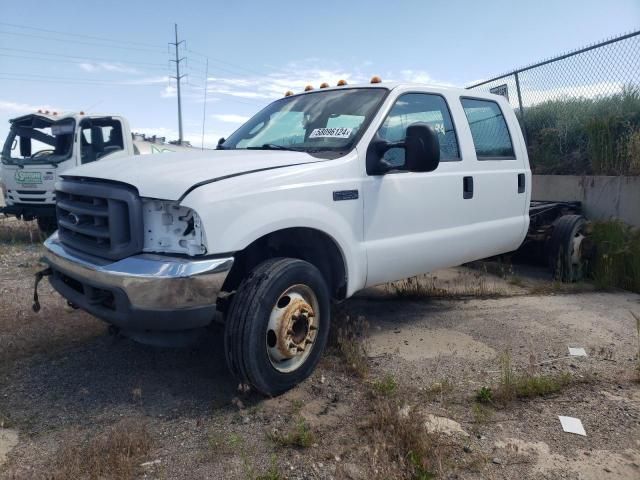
[{"x": 141, "y": 292}]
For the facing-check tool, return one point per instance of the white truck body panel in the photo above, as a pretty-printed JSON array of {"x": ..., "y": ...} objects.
[{"x": 402, "y": 224}]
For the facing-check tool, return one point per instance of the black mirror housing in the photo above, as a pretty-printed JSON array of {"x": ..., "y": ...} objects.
[
  {"x": 422, "y": 148},
  {"x": 422, "y": 151}
]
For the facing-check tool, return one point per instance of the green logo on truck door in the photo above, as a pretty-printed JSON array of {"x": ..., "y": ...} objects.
[{"x": 28, "y": 177}]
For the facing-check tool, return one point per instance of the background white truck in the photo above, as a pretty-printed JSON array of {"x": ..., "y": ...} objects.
[
  {"x": 316, "y": 197},
  {"x": 41, "y": 146}
]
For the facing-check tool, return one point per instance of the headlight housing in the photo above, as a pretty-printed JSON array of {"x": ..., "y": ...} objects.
[{"x": 171, "y": 228}]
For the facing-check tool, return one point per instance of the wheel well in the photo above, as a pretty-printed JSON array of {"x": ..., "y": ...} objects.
[{"x": 307, "y": 244}]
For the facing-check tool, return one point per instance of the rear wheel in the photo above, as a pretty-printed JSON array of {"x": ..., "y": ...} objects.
[
  {"x": 565, "y": 248},
  {"x": 277, "y": 325}
]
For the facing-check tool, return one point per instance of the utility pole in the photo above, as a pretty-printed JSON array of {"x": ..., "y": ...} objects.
[
  {"x": 204, "y": 105},
  {"x": 176, "y": 44}
]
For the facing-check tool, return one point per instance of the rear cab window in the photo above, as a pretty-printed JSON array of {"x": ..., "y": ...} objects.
[{"x": 491, "y": 137}]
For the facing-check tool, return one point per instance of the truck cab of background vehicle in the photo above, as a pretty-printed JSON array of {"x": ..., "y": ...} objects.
[
  {"x": 43, "y": 145},
  {"x": 317, "y": 196}
]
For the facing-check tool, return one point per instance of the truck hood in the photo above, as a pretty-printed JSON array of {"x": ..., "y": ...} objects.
[{"x": 170, "y": 176}]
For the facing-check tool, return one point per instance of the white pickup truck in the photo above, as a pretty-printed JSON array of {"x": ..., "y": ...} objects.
[
  {"x": 43, "y": 145},
  {"x": 317, "y": 196}
]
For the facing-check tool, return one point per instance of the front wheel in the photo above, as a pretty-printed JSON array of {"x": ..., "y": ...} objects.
[{"x": 277, "y": 325}]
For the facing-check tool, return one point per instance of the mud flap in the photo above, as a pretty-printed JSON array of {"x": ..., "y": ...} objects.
[{"x": 39, "y": 276}]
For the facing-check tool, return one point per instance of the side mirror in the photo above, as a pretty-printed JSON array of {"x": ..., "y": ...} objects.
[
  {"x": 421, "y": 151},
  {"x": 25, "y": 147},
  {"x": 422, "y": 148},
  {"x": 220, "y": 142}
]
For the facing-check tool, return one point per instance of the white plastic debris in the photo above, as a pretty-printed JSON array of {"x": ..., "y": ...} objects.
[
  {"x": 572, "y": 425},
  {"x": 577, "y": 352}
]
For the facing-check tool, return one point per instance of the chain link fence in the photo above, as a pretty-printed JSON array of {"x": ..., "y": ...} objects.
[{"x": 579, "y": 112}]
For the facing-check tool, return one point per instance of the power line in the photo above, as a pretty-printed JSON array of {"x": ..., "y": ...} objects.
[
  {"x": 80, "y": 57},
  {"x": 75, "y": 42},
  {"x": 79, "y": 62},
  {"x": 15, "y": 25},
  {"x": 47, "y": 78},
  {"x": 224, "y": 62}
]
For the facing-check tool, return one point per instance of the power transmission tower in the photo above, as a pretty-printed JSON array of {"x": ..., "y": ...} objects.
[{"x": 178, "y": 77}]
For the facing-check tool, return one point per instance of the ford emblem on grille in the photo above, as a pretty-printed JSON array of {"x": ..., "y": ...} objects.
[{"x": 75, "y": 219}]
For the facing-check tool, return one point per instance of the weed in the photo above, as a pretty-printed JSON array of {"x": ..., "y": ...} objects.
[
  {"x": 527, "y": 385},
  {"x": 224, "y": 444},
  {"x": 481, "y": 413},
  {"x": 113, "y": 453},
  {"x": 385, "y": 387},
  {"x": 637, "y": 319},
  {"x": 349, "y": 341},
  {"x": 617, "y": 259},
  {"x": 272, "y": 473},
  {"x": 299, "y": 436},
  {"x": 438, "y": 390},
  {"x": 484, "y": 395}
]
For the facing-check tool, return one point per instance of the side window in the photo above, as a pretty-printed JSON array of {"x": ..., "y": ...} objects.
[
  {"x": 99, "y": 138},
  {"x": 488, "y": 129},
  {"x": 419, "y": 107}
]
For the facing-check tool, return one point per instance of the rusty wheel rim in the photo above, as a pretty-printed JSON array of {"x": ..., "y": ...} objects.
[{"x": 292, "y": 329}]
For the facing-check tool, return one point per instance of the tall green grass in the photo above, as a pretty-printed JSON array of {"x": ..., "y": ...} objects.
[
  {"x": 617, "y": 259},
  {"x": 586, "y": 135}
]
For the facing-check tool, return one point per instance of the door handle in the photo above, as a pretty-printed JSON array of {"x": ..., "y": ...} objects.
[
  {"x": 467, "y": 187},
  {"x": 521, "y": 183}
]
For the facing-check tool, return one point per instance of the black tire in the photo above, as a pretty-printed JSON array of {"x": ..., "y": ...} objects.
[
  {"x": 47, "y": 225},
  {"x": 564, "y": 265},
  {"x": 247, "y": 324}
]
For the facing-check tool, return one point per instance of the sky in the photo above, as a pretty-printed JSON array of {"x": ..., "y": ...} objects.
[{"x": 114, "y": 56}]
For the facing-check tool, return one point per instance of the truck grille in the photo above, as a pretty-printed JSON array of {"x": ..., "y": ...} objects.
[{"x": 99, "y": 218}]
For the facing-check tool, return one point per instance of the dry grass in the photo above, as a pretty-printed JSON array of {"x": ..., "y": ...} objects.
[
  {"x": 14, "y": 231},
  {"x": 348, "y": 339},
  {"x": 299, "y": 435},
  {"x": 115, "y": 452},
  {"x": 405, "y": 449},
  {"x": 514, "y": 385},
  {"x": 466, "y": 284}
]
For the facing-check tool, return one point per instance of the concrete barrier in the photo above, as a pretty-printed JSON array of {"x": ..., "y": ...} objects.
[{"x": 602, "y": 197}]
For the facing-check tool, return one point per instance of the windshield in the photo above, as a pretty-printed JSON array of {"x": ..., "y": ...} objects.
[
  {"x": 330, "y": 121},
  {"x": 34, "y": 140}
]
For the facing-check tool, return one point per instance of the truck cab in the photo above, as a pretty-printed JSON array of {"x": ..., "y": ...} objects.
[
  {"x": 42, "y": 145},
  {"x": 317, "y": 196}
]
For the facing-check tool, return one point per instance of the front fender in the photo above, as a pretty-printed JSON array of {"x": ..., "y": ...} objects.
[{"x": 232, "y": 222}]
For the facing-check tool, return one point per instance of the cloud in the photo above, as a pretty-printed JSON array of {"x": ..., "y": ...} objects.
[
  {"x": 107, "y": 67},
  {"x": 8, "y": 107},
  {"x": 230, "y": 117}
]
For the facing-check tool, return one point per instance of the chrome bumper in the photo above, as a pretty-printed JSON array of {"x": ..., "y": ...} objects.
[{"x": 167, "y": 287}]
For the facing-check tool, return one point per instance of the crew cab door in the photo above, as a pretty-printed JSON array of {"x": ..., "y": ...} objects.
[{"x": 415, "y": 222}]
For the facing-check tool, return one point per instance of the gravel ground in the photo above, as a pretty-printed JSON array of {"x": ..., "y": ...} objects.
[{"x": 66, "y": 386}]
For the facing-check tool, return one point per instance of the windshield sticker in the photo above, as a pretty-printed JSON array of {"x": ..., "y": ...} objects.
[
  {"x": 27, "y": 178},
  {"x": 331, "y": 133}
]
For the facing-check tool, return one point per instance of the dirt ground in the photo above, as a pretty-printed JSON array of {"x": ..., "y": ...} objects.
[{"x": 76, "y": 402}]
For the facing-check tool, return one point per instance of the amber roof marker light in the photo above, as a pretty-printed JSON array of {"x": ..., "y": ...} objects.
[
  {"x": 288, "y": 93},
  {"x": 324, "y": 85},
  {"x": 342, "y": 83},
  {"x": 308, "y": 88},
  {"x": 376, "y": 79}
]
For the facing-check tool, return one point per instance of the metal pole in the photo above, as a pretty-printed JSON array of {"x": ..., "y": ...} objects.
[
  {"x": 204, "y": 106},
  {"x": 178, "y": 77},
  {"x": 524, "y": 125}
]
